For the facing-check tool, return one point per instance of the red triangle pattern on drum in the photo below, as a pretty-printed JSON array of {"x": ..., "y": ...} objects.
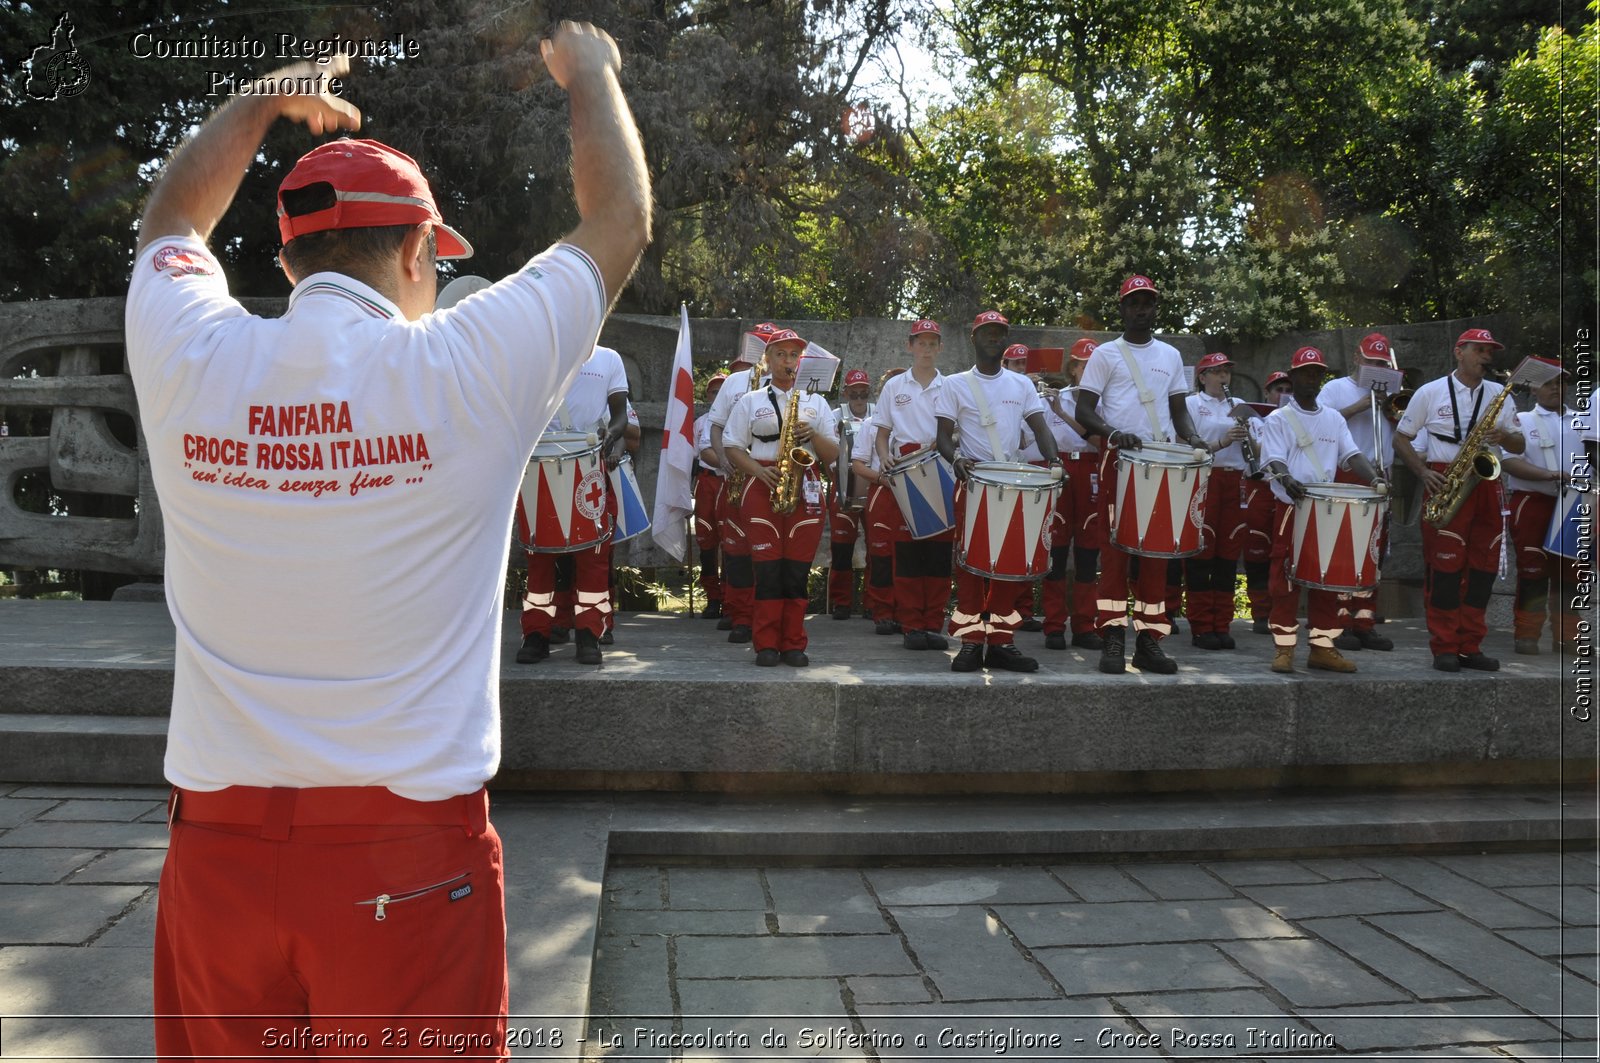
[
  {"x": 1159, "y": 528},
  {"x": 978, "y": 521},
  {"x": 547, "y": 512},
  {"x": 1343, "y": 552},
  {"x": 1014, "y": 547}
]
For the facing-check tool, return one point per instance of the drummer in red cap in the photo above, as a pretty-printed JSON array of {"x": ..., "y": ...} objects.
[
  {"x": 851, "y": 420},
  {"x": 1133, "y": 390},
  {"x": 1219, "y": 418},
  {"x": 919, "y": 574},
  {"x": 707, "y": 489},
  {"x": 1542, "y": 486},
  {"x": 990, "y": 406},
  {"x": 738, "y": 578},
  {"x": 1259, "y": 508},
  {"x": 1304, "y": 442},
  {"x": 1463, "y": 555}
]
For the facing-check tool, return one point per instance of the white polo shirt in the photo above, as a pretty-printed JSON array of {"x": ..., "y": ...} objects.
[
  {"x": 906, "y": 409},
  {"x": 337, "y": 488},
  {"x": 755, "y": 415},
  {"x": 587, "y": 403},
  {"x": 1342, "y": 392},
  {"x": 1107, "y": 375},
  {"x": 1555, "y": 442},
  {"x": 1330, "y": 444},
  {"x": 1213, "y": 419},
  {"x": 1010, "y": 398},
  {"x": 733, "y": 389},
  {"x": 702, "y": 442},
  {"x": 1429, "y": 409}
]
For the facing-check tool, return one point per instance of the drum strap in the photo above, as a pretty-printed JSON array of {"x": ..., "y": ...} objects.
[
  {"x": 1147, "y": 400},
  {"x": 1303, "y": 440},
  {"x": 566, "y": 417},
  {"x": 1549, "y": 439},
  {"x": 981, "y": 400}
]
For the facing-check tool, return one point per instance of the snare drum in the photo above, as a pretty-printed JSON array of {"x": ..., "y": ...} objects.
[
  {"x": 563, "y": 494},
  {"x": 1005, "y": 521},
  {"x": 1161, "y": 500},
  {"x": 924, "y": 486},
  {"x": 1574, "y": 513},
  {"x": 1337, "y": 537},
  {"x": 632, "y": 518}
]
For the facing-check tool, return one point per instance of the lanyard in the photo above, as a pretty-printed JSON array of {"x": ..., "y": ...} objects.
[{"x": 1455, "y": 412}]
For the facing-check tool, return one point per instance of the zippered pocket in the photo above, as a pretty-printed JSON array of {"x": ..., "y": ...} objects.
[{"x": 382, "y": 901}]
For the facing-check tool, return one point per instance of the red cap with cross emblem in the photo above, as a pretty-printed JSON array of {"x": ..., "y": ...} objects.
[
  {"x": 1212, "y": 361},
  {"x": 1307, "y": 356},
  {"x": 990, "y": 317},
  {"x": 1478, "y": 335},
  {"x": 1137, "y": 283}
]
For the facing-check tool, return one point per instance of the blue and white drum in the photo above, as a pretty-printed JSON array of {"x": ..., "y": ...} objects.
[
  {"x": 1571, "y": 531},
  {"x": 632, "y": 518},
  {"x": 924, "y": 486}
]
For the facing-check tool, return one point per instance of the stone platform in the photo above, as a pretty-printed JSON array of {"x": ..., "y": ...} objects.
[{"x": 85, "y": 687}]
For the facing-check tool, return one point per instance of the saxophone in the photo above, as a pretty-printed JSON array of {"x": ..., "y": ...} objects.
[
  {"x": 793, "y": 461},
  {"x": 1473, "y": 462}
]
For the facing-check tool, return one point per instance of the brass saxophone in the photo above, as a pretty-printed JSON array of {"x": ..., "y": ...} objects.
[
  {"x": 1473, "y": 462},
  {"x": 793, "y": 461}
]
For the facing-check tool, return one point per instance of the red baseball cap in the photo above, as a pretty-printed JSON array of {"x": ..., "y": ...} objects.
[
  {"x": 1478, "y": 335},
  {"x": 1137, "y": 283},
  {"x": 857, "y": 376},
  {"x": 1375, "y": 345},
  {"x": 989, "y": 317},
  {"x": 1045, "y": 359},
  {"x": 1211, "y": 361},
  {"x": 763, "y": 330},
  {"x": 1083, "y": 349},
  {"x": 784, "y": 335},
  {"x": 925, "y": 324},
  {"x": 373, "y": 185},
  {"x": 1013, "y": 352},
  {"x": 1307, "y": 356},
  {"x": 1274, "y": 378},
  {"x": 715, "y": 381}
]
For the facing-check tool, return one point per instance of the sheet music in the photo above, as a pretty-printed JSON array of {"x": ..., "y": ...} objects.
[
  {"x": 1370, "y": 377},
  {"x": 817, "y": 369}
]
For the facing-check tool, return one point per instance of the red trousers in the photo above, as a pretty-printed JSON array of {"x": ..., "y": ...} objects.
[
  {"x": 1530, "y": 519},
  {"x": 1075, "y": 536},
  {"x": 591, "y": 584},
  {"x": 1322, "y": 607},
  {"x": 986, "y": 609},
  {"x": 707, "y": 491},
  {"x": 1259, "y": 506},
  {"x": 844, "y": 529},
  {"x": 1360, "y": 611},
  {"x": 1150, "y": 590},
  {"x": 781, "y": 548},
  {"x": 1212, "y": 571},
  {"x": 271, "y": 942},
  {"x": 738, "y": 579},
  {"x": 1463, "y": 558}
]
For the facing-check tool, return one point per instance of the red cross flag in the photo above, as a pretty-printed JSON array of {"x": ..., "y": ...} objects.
[{"x": 674, "y": 490}]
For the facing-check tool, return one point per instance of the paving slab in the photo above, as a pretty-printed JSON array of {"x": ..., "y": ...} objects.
[
  {"x": 1390, "y": 959},
  {"x": 1024, "y": 1029},
  {"x": 622, "y": 922},
  {"x": 1177, "y": 882},
  {"x": 123, "y": 865},
  {"x": 835, "y": 922},
  {"x": 969, "y": 954},
  {"x": 1506, "y": 869},
  {"x": 15, "y": 810},
  {"x": 1572, "y": 1049},
  {"x": 820, "y": 956},
  {"x": 1263, "y": 872},
  {"x": 78, "y": 984},
  {"x": 1226, "y": 1023},
  {"x": 1338, "y": 868},
  {"x": 967, "y": 885},
  {"x": 1310, "y": 973},
  {"x": 1358, "y": 897},
  {"x": 1099, "y": 882},
  {"x": 1573, "y": 905},
  {"x": 101, "y": 811},
  {"x": 807, "y": 1013},
  {"x": 86, "y": 836},
  {"x": 902, "y": 989},
  {"x": 1557, "y": 941},
  {"x": 636, "y": 887},
  {"x": 59, "y": 915},
  {"x": 136, "y": 928},
  {"x": 1402, "y": 1027},
  {"x": 1130, "y": 922},
  {"x": 1489, "y": 907},
  {"x": 1097, "y": 971},
  {"x": 41, "y": 865},
  {"x": 120, "y": 792},
  {"x": 694, "y": 888},
  {"x": 809, "y": 893}
]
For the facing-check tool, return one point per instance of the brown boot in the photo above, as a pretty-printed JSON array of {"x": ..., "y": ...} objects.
[
  {"x": 1283, "y": 660},
  {"x": 1329, "y": 660}
]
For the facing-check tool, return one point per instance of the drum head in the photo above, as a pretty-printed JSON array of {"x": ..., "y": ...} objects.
[
  {"x": 1013, "y": 474},
  {"x": 1164, "y": 454},
  {"x": 555, "y": 445}
]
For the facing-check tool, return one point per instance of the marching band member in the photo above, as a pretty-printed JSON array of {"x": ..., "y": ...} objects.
[
  {"x": 1133, "y": 388},
  {"x": 1354, "y": 402},
  {"x": 1304, "y": 442},
  {"x": 906, "y": 423},
  {"x": 1259, "y": 507},
  {"x": 1017, "y": 359},
  {"x": 1555, "y": 458},
  {"x": 1450, "y": 408},
  {"x": 708, "y": 485},
  {"x": 738, "y": 579},
  {"x": 1075, "y": 535},
  {"x": 783, "y": 539},
  {"x": 851, "y": 419},
  {"x": 1211, "y": 572},
  {"x": 598, "y": 395},
  {"x": 989, "y": 405}
]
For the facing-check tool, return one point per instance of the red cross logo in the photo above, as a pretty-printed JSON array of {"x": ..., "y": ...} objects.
[
  {"x": 591, "y": 498},
  {"x": 594, "y": 495}
]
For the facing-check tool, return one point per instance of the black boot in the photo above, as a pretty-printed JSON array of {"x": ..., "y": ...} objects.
[{"x": 1114, "y": 650}]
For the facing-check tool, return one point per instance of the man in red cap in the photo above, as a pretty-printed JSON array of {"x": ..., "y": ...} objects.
[
  {"x": 919, "y": 574},
  {"x": 783, "y": 541},
  {"x": 1211, "y": 572},
  {"x": 1304, "y": 442},
  {"x": 333, "y": 725},
  {"x": 707, "y": 489},
  {"x": 1259, "y": 508},
  {"x": 850, "y": 420},
  {"x": 1134, "y": 389},
  {"x": 738, "y": 579},
  {"x": 1463, "y": 555}
]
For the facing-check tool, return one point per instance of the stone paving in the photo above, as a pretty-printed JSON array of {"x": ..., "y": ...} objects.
[{"x": 1467, "y": 956}]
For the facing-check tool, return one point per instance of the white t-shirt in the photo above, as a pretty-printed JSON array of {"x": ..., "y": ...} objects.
[
  {"x": 702, "y": 443},
  {"x": 733, "y": 389},
  {"x": 1429, "y": 409},
  {"x": 864, "y": 448},
  {"x": 906, "y": 409},
  {"x": 1342, "y": 392},
  {"x": 1069, "y": 444},
  {"x": 1325, "y": 429},
  {"x": 1213, "y": 419},
  {"x": 1107, "y": 375},
  {"x": 587, "y": 403},
  {"x": 1010, "y": 397},
  {"x": 337, "y": 487},
  {"x": 1555, "y": 442},
  {"x": 754, "y": 415}
]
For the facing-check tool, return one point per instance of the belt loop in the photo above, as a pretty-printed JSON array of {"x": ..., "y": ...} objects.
[
  {"x": 475, "y": 813},
  {"x": 172, "y": 807},
  {"x": 278, "y": 818}
]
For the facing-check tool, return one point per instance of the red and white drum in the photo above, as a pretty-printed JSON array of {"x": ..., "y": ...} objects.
[
  {"x": 564, "y": 494},
  {"x": 1161, "y": 500},
  {"x": 924, "y": 487},
  {"x": 1004, "y": 531},
  {"x": 1337, "y": 537}
]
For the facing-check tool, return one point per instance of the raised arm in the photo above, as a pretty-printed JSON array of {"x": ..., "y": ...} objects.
[{"x": 609, "y": 178}]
